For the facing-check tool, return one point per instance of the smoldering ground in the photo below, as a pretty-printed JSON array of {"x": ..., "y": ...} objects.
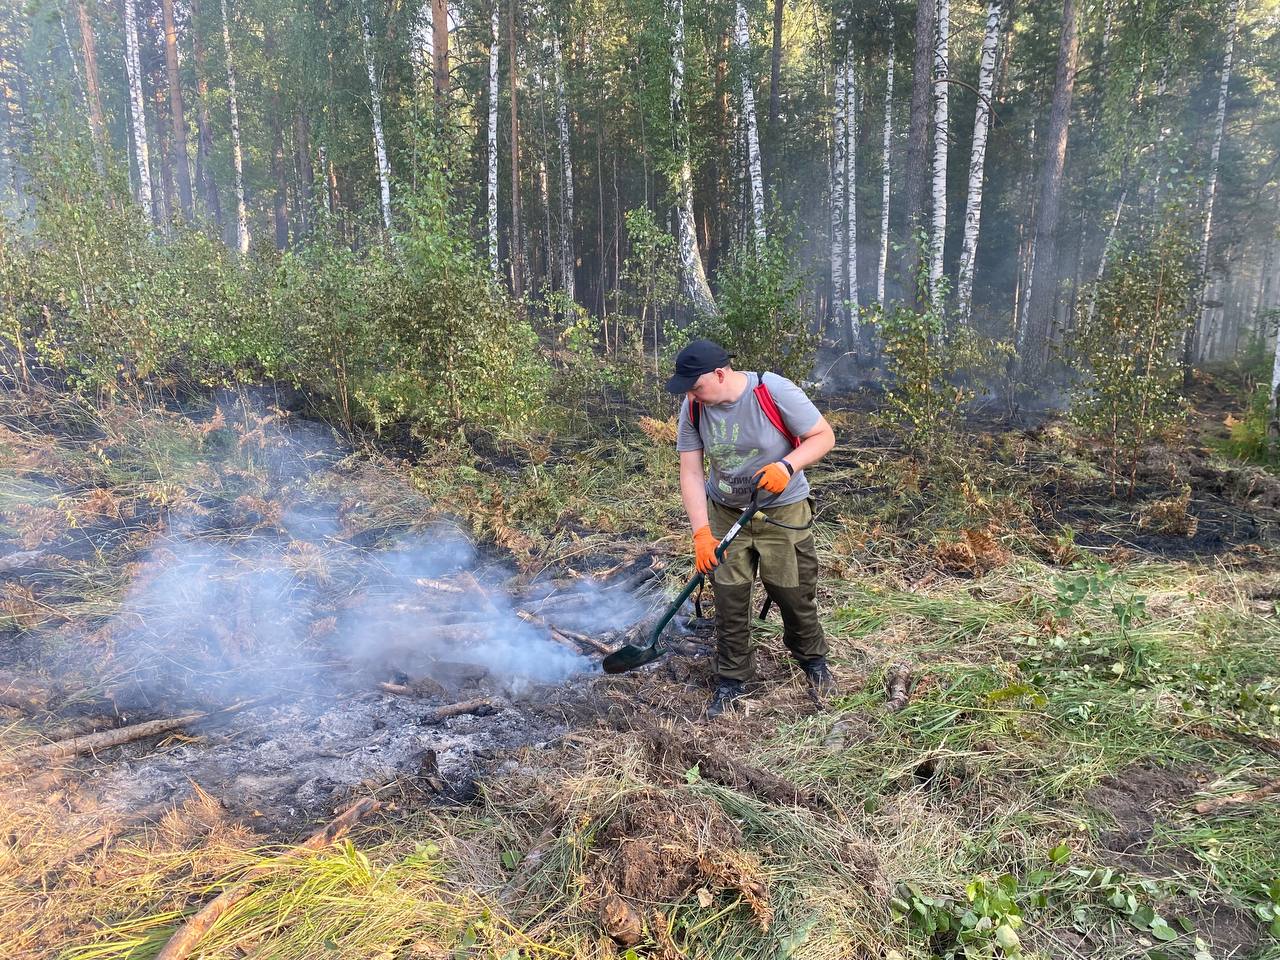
[{"x": 277, "y": 593}]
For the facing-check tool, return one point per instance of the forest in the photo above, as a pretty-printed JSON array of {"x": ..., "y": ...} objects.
[{"x": 351, "y": 597}]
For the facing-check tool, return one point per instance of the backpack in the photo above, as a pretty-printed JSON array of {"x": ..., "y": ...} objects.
[{"x": 767, "y": 407}]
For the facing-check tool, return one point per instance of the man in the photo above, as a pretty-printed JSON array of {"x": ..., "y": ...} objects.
[{"x": 753, "y": 440}]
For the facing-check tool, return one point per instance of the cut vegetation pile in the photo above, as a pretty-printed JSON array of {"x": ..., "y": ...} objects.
[{"x": 1059, "y": 730}]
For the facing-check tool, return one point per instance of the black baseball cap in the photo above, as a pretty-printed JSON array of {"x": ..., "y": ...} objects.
[{"x": 698, "y": 357}]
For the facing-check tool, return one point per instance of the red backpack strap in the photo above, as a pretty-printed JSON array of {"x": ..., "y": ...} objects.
[{"x": 773, "y": 414}]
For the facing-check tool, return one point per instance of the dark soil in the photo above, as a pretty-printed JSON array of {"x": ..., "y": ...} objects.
[{"x": 1133, "y": 798}]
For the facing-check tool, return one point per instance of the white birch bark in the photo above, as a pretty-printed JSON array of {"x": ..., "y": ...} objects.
[
  {"x": 839, "y": 142},
  {"x": 379, "y": 138},
  {"x": 977, "y": 161},
  {"x": 1212, "y": 187},
  {"x": 491, "y": 185},
  {"x": 1106, "y": 252},
  {"x": 237, "y": 155},
  {"x": 567, "y": 256},
  {"x": 137, "y": 109},
  {"x": 423, "y": 49},
  {"x": 695, "y": 275},
  {"x": 755, "y": 176},
  {"x": 851, "y": 193},
  {"x": 940, "y": 99},
  {"x": 1275, "y": 370},
  {"x": 886, "y": 175}
]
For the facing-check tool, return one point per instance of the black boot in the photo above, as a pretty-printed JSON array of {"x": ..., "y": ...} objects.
[
  {"x": 727, "y": 691},
  {"x": 819, "y": 677}
]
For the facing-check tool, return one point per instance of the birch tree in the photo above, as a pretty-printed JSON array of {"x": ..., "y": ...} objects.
[
  {"x": 839, "y": 180},
  {"x": 941, "y": 56},
  {"x": 375, "y": 109},
  {"x": 491, "y": 182},
  {"x": 850, "y": 193},
  {"x": 137, "y": 109},
  {"x": 1190, "y": 345},
  {"x": 237, "y": 155},
  {"x": 755, "y": 176},
  {"x": 423, "y": 47},
  {"x": 513, "y": 107},
  {"x": 181, "y": 161},
  {"x": 886, "y": 176},
  {"x": 977, "y": 162},
  {"x": 693, "y": 273},
  {"x": 567, "y": 258}
]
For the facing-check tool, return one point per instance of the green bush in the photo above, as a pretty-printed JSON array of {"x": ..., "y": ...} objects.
[
  {"x": 1131, "y": 349},
  {"x": 1255, "y": 437},
  {"x": 931, "y": 365}
]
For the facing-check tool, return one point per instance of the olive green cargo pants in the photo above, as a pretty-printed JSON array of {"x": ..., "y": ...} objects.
[{"x": 788, "y": 566}]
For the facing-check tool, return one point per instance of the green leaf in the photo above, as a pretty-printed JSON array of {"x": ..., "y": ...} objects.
[
  {"x": 511, "y": 859},
  {"x": 1060, "y": 854},
  {"x": 1007, "y": 937},
  {"x": 1162, "y": 931}
]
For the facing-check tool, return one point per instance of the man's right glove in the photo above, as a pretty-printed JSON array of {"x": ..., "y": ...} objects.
[{"x": 704, "y": 549}]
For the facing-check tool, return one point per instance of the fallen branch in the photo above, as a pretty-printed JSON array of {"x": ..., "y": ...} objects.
[
  {"x": 188, "y": 936},
  {"x": 898, "y": 688},
  {"x": 444, "y": 586},
  {"x": 1235, "y": 799},
  {"x": 23, "y": 558},
  {"x": 458, "y": 709},
  {"x": 93, "y": 742},
  {"x": 569, "y": 638}
]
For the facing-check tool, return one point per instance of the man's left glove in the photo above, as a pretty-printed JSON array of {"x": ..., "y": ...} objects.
[{"x": 775, "y": 477}]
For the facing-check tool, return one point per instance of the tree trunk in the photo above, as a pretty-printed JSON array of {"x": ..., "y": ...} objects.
[
  {"x": 775, "y": 84},
  {"x": 423, "y": 45},
  {"x": 137, "y": 108},
  {"x": 1210, "y": 191},
  {"x": 755, "y": 177},
  {"x": 1036, "y": 332},
  {"x": 886, "y": 173},
  {"x": 93, "y": 86},
  {"x": 379, "y": 138},
  {"x": 237, "y": 155},
  {"x": 567, "y": 258},
  {"x": 204, "y": 133},
  {"x": 941, "y": 132},
  {"x": 918, "y": 143},
  {"x": 513, "y": 84},
  {"x": 306, "y": 171},
  {"x": 440, "y": 50},
  {"x": 850, "y": 193},
  {"x": 977, "y": 161},
  {"x": 1107, "y": 249},
  {"x": 695, "y": 276},
  {"x": 181, "y": 161},
  {"x": 491, "y": 182},
  {"x": 839, "y": 176}
]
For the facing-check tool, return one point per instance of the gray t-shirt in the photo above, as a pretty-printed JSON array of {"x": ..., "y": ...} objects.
[{"x": 739, "y": 440}]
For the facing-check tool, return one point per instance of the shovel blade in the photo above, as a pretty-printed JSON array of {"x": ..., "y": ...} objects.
[{"x": 630, "y": 657}]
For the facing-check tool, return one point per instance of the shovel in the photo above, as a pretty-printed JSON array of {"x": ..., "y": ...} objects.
[{"x": 631, "y": 656}]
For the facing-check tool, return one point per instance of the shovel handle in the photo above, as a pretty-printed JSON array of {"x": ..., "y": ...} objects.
[{"x": 698, "y": 578}]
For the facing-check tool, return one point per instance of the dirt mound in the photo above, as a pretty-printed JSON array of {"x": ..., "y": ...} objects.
[
  {"x": 1133, "y": 798},
  {"x": 662, "y": 846}
]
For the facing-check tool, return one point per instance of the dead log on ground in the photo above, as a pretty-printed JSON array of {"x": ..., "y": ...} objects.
[
  {"x": 20, "y": 560},
  {"x": 189, "y": 935},
  {"x": 444, "y": 586},
  {"x": 482, "y": 705},
  {"x": 898, "y": 688},
  {"x": 1249, "y": 796},
  {"x": 94, "y": 742},
  {"x": 569, "y": 638}
]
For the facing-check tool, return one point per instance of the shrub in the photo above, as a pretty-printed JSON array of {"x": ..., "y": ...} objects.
[{"x": 1130, "y": 346}]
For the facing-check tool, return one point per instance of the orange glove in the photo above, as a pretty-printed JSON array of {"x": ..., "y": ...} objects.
[
  {"x": 704, "y": 549},
  {"x": 775, "y": 477}
]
